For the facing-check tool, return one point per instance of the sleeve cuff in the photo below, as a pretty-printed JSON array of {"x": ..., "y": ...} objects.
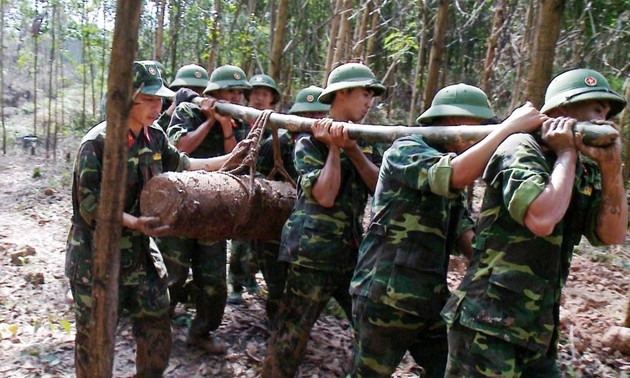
[
  {"x": 526, "y": 193},
  {"x": 439, "y": 177}
]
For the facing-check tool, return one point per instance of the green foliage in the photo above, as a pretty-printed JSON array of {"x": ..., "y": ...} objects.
[{"x": 37, "y": 173}]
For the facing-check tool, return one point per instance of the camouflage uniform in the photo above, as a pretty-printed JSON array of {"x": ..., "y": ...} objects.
[
  {"x": 142, "y": 283},
  {"x": 321, "y": 246},
  {"x": 206, "y": 258},
  {"x": 267, "y": 251},
  {"x": 503, "y": 319},
  {"x": 399, "y": 285}
]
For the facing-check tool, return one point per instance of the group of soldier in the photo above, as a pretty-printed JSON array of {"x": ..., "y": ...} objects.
[{"x": 542, "y": 194}]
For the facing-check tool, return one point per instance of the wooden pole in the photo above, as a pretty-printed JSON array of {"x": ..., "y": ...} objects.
[{"x": 595, "y": 135}]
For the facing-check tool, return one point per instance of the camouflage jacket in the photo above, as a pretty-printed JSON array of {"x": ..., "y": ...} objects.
[
  {"x": 317, "y": 237},
  {"x": 188, "y": 117},
  {"x": 265, "y": 162},
  {"x": 417, "y": 218},
  {"x": 149, "y": 154},
  {"x": 512, "y": 287}
]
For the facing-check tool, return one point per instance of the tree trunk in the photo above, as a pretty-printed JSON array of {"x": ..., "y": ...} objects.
[
  {"x": 106, "y": 263},
  {"x": 176, "y": 22},
  {"x": 35, "y": 33},
  {"x": 344, "y": 29},
  {"x": 371, "y": 42},
  {"x": 4, "y": 130},
  {"x": 84, "y": 61},
  {"x": 435, "y": 56},
  {"x": 103, "y": 49},
  {"x": 159, "y": 33},
  {"x": 625, "y": 130},
  {"x": 221, "y": 202},
  {"x": 53, "y": 20},
  {"x": 546, "y": 35},
  {"x": 523, "y": 53},
  {"x": 497, "y": 27},
  {"x": 417, "y": 75},
  {"x": 360, "y": 39},
  {"x": 334, "y": 31},
  {"x": 215, "y": 34},
  {"x": 278, "y": 40}
]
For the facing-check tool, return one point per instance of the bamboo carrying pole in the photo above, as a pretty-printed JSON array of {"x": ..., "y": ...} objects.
[{"x": 594, "y": 135}]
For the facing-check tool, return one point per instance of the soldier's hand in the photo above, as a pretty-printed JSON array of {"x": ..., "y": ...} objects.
[
  {"x": 151, "y": 226},
  {"x": 557, "y": 134},
  {"x": 339, "y": 137},
  {"x": 524, "y": 119},
  {"x": 184, "y": 95},
  {"x": 607, "y": 155},
  {"x": 321, "y": 130}
]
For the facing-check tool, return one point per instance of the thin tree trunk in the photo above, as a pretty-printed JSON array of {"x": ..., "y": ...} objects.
[
  {"x": 546, "y": 35},
  {"x": 435, "y": 56},
  {"x": 50, "y": 77},
  {"x": 176, "y": 23},
  {"x": 497, "y": 26},
  {"x": 625, "y": 126},
  {"x": 106, "y": 263},
  {"x": 103, "y": 49},
  {"x": 417, "y": 76},
  {"x": 371, "y": 42},
  {"x": 334, "y": 31},
  {"x": 35, "y": 33},
  {"x": 344, "y": 29},
  {"x": 360, "y": 42},
  {"x": 83, "y": 60},
  {"x": 4, "y": 130},
  {"x": 523, "y": 53},
  {"x": 278, "y": 40},
  {"x": 159, "y": 33},
  {"x": 215, "y": 33}
]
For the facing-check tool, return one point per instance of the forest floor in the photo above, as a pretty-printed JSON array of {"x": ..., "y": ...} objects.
[{"x": 37, "y": 322}]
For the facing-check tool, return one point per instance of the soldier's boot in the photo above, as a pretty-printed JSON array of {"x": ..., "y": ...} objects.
[
  {"x": 208, "y": 343},
  {"x": 154, "y": 342}
]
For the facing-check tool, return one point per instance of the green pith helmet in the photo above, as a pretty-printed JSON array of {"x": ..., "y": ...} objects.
[
  {"x": 146, "y": 76},
  {"x": 227, "y": 77},
  {"x": 350, "y": 75},
  {"x": 190, "y": 75},
  {"x": 581, "y": 85},
  {"x": 267, "y": 81},
  {"x": 458, "y": 100},
  {"x": 306, "y": 101}
]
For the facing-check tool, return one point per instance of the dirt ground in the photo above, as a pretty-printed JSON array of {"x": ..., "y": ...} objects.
[{"x": 37, "y": 323}]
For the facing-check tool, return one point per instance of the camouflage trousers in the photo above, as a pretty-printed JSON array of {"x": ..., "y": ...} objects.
[
  {"x": 243, "y": 265},
  {"x": 208, "y": 290},
  {"x": 306, "y": 294},
  {"x": 274, "y": 272},
  {"x": 147, "y": 302},
  {"x": 476, "y": 354},
  {"x": 384, "y": 334}
]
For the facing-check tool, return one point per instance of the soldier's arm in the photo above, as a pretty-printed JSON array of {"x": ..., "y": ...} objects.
[
  {"x": 549, "y": 207},
  {"x": 326, "y": 188},
  {"x": 612, "y": 215},
  {"x": 367, "y": 170},
  {"x": 193, "y": 139}
]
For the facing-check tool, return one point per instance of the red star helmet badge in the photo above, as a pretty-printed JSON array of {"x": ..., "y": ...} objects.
[
  {"x": 590, "y": 81},
  {"x": 152, "y": 71},
  {"x": 197, "y": 74},
  {"x": 237, "y": 76},
  {"x": 310, "y": 98}
]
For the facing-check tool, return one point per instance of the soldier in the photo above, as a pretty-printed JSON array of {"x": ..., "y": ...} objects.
[
  {"x": 321, "y": 236},
  {"x": 142, "y": 283},
  {"x": 263, "y": 95},
  {"x": 201, "y": 132},
  {"x": 193, "y": 79},
  {"x": 541, "y": 197},
  {"x": 274, "y": 271},
  {"x": 399, "y": 284}
]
